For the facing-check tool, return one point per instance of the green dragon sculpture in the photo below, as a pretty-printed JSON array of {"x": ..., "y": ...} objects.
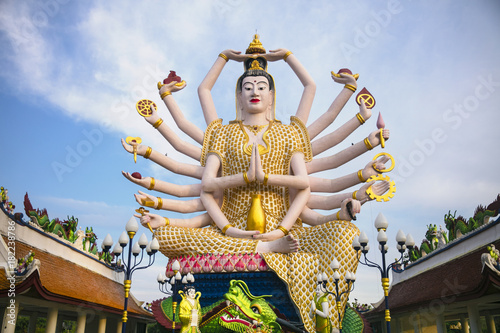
[
  {"x": 240, "y": 311},
  {"x": 457, "y": 227},
  {"x": 89, "y": 241},
  {"x": 65, "y": 229}
]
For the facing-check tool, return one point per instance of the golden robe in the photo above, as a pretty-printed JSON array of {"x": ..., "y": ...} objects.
[{"x": 318, "y": 245}]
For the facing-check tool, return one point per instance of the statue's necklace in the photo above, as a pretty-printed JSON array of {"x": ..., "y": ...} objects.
[{"x": 255, "y": 129}]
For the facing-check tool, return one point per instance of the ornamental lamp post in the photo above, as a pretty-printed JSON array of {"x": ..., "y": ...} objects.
[
  {"x": 361, "y": 243},
  {"x": 138, "y": 248},
  {"x": 349, "y": 278},
  {"x": 176, "y": 281}
]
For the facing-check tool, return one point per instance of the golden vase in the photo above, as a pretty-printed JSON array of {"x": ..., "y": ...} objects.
[{"x": 256, "y": 219}]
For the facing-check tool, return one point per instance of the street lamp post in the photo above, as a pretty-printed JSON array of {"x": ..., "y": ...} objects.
[
  {"x": 349, "y": 278},
  {"x": 361, "y": 243},
  {"x": 129, "y": 268},
  {"x": 175, "y": 282}
]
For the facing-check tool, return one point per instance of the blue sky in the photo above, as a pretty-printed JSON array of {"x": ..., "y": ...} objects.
[{"x": 71, "y": 73}]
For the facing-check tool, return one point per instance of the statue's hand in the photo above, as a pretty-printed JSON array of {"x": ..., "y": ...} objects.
[
  {"x": 238, "y": 233},
  {"x": 275, "y": 55},
  {"x": 379, "y": 163},
  {"x": 173, "y": 86},
  {"x": 374, "y": 136},
  {"x": 144, "y": 182},
  {"x": 235, "y": 55},
  {"x": 154, "y": 115},
  {"x": 378, "y": 188},
  {"x": 355, "y": 208},
  {"x": 269, "y": 236},
  {"x": 364, "y": 111},
  {"x": 345, "y": 79},
  {"x": 251, "y": 168},
  {"x": 154, "y": 220},
  {"x": 259, "y": 172},
  {"x": 141, "y": 150},
  {"x": 145, "y": 199}
]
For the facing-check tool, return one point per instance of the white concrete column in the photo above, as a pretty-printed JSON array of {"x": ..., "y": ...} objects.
[
  {"x": 119, "y": 326},
  {"x": 473, "y": 318},
  {"x": 102, "y": 325},
  {"x": 51, "y": 320},
  {"x": 10, "y": 317},
  {"x": 81, "y": 321},
  {"x": 465, "y": 324},
  {"x": 32, "y": 324},
  {"x": 490, "y": 323},
  {"x": 440, "y": 324}
]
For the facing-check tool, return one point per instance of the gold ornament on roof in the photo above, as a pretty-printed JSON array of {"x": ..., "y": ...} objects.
[{"x": 255, "y": 46}]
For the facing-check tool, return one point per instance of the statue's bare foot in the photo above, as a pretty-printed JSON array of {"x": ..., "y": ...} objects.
[{"x": 287, "y": 244}]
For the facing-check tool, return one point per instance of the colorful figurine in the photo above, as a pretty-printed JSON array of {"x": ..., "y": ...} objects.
[{"x": 190, "y": 310}]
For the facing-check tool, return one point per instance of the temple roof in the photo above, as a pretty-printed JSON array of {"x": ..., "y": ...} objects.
[
  {"x": 70, "y": 281},
  {"x": 460, "y": 279}
]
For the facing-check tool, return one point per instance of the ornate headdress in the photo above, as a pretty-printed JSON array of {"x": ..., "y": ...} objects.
[{"x": 256, "y": 65}]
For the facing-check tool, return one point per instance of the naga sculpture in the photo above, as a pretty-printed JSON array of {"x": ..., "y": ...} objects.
[{"x": 255, "y": 173}]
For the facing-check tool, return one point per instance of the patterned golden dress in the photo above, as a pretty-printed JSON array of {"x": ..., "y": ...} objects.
[{"x": 318, "y": 245}]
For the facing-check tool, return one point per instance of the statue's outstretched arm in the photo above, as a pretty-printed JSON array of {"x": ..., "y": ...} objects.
[
  {"x": 207, "y": 197},
  {"x": 179, "y": 168},
  {"x": 313, "y": 218},
  {"x": 181, "y": 191},
  {"x": 156, "y": 221},
  {"x": 180, "y": 145},
  {"x": 341, "y": 183},
  {"x": 180, "y": 120},
  {"x": 179, "y": 206},
  {"x": 205, "y": 88},
  {"x": 344, "y": 156},
  {"x": 333, "y": 111},
  {"x": 304, "y": 77},
  {"x": 335, "y": 201},
  {"x": 330, "y": 140}
]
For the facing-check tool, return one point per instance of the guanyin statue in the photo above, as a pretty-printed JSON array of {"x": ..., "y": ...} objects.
[{"x": 255, "y": 172}]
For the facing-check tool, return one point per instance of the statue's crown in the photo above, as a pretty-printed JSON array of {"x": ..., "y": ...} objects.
[
  {"x": 255, "y": 46},
  {"x": 255, "y": 62}
]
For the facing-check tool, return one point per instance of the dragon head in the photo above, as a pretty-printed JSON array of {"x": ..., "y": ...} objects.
[
  {"x": 246, "y": 311},
  {"x": 431, "y": 232}
]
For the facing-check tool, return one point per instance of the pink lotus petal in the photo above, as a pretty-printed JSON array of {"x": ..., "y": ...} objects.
[
  {"x": 206, "y": 267},
  {"x": 229, "y": 267},
  {"x": 251, "y": 265},
  {"x": 223, "y": 259},
  {"x": 257, "y": 258},
  {"x": 262, "y": 266},
  {"x": 212, "y": 260},
  {"x": 217, "y": 267},
  {"x": 235, "y": 258},
  {"x": 245, "y": 259},
  {"x": 240, "y": 266},
  {"x": 196, "y": 268}
]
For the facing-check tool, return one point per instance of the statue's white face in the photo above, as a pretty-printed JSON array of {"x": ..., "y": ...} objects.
[
  {"x": 255, "y": 96},
  {"x": 191, "y": 293}
]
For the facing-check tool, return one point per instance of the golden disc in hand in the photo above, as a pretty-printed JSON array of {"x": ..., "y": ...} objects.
[{"x": 144, "y": 107}]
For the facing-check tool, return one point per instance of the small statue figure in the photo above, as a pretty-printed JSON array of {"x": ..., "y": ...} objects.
[
  {"x": 190, "y": 310},
  {"x": 321, "y": 310}
]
